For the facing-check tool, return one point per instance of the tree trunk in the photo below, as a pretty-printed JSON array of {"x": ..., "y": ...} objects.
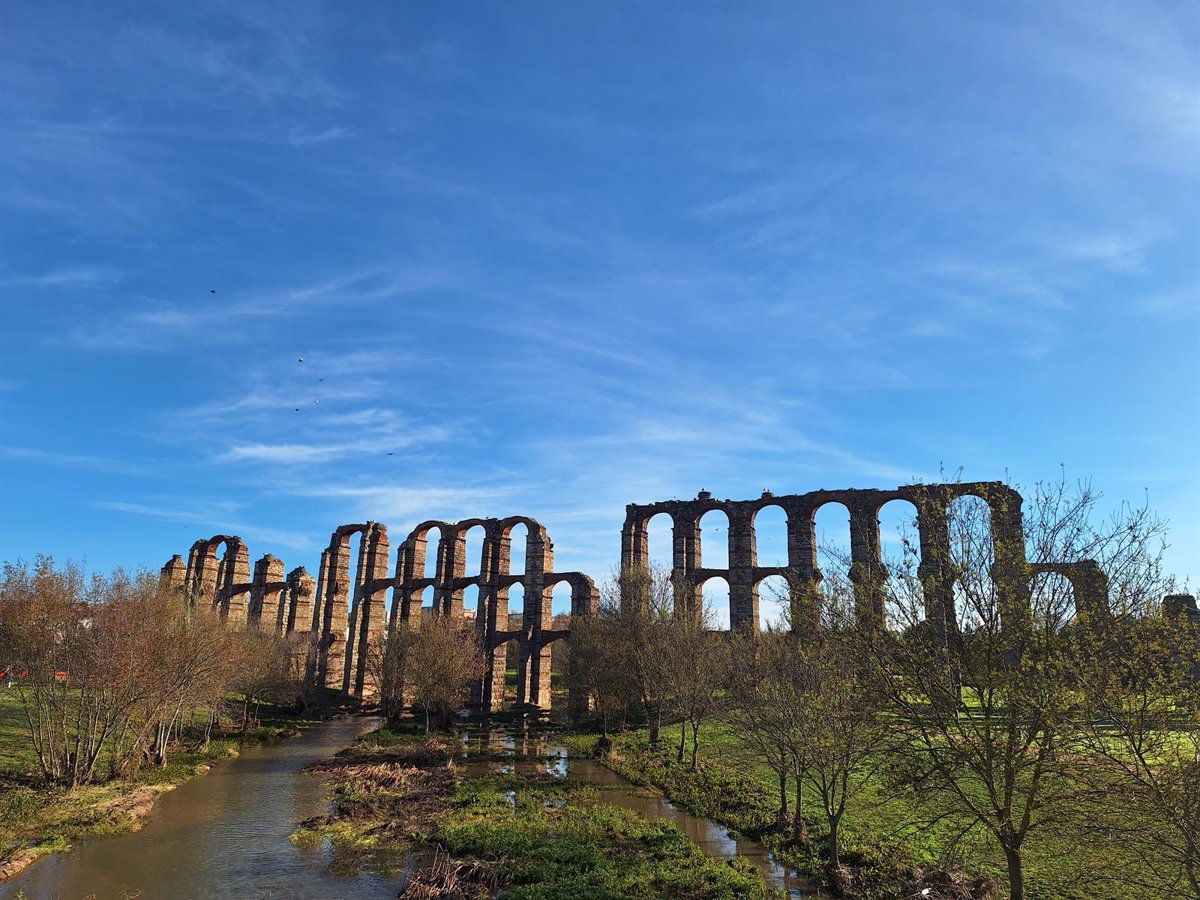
[
  {"x": 782, "y": 817},
  {"x": 835, "y": 847},
  {"x": 695, "y": 743},
  {"x": 682, "y": 742},
  {"x": 1016, "y": 873},
  {"x": 799, "y": 824}
]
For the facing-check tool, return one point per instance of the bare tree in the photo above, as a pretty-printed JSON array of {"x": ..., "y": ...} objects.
[
  {"x": 990, "y": 715},
  {"x": 841, "y": 728},
  {"x": 692, "y": 664},
  {"x": 441, "y": 658},
  {"x": 616, "y": 652},
  {"x": 759, "y": 715}
]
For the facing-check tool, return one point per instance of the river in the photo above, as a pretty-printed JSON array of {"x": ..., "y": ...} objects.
[{"x": 225, "y": 834}]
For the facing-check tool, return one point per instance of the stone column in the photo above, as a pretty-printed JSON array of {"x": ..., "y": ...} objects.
[
  {"x": 332, "y": 661},
  {"x": 457, "y": 564},
  {"x": 687, "y": 556},
  {"x": 635, "y": 540},
  {"x": 355, "y": 591},
  {"x": 743, "y": 557},
  {"x": 534, "y": 676},
  {"x": 484, "y": 617},
  {"x": 300, "y": 591},
  {"x": 373, "y": 608},
  {"x": 866, "y": 564},
  {"x": 173, "y": 576},
  {"x": 401, "y": 588},
  {"x": 235, "y": 587},
  {"x": 268, "y": 608},
  {"x": 585, "y": 603},
  {"x": 443, "y": 576},
  {"x": 317, "y": 664},
  {"x": 804, "y": 577},
  {"x": 1010, "y": 571},
  {"x": 498, "y": 623},
  {"x": 203, "y": 572},
  {"x": 936, "y": 570}
]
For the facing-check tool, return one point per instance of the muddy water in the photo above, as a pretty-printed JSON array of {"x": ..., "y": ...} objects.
[
  {"x": 226, "y": 834},
  {"x": 222, "y": 835},
  {"x": 715, "y": 840}
]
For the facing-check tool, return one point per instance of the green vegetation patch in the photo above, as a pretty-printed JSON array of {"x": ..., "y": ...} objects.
[{"x": 537, "y": 835}]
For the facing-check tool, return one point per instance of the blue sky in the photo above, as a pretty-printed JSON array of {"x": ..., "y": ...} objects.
[{"x": 555, "y": 258}]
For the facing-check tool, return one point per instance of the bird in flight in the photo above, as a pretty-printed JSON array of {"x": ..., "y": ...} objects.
[
  {"x": 318, "y": 402},
  {"x": 297, "y": 409},
  {"x": 390, "y": 453},
  {"x": 212, "y": 290},
  {"x": 320, "y": 379},
  {"x": 301, "y": 359}
]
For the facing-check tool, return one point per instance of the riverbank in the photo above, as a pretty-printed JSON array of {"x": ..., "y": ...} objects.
[
  {"x": 534, "y": 834},
  {"x": 38, "y": 818},
  {"x": 872, "y": 869}
]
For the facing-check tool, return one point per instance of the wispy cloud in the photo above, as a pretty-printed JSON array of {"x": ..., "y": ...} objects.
[
  {"x": 310, "y": 454},
  {"x": 304, "y": 137},
  {"x": 76, "y": 460},
  {"x": 70, "y": 277},
  {"x": 220, "y": 516}
]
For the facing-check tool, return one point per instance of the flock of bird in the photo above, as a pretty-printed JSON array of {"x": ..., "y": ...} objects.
[{"x": 300, "y": 360}]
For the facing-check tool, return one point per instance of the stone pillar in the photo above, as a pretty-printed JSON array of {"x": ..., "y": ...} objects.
[
  {"x": 173, "y": 576},
  {"x": 443, "y": 575},
  {"x": 401, "y": 588},
  {"x": 203, "y": 572},
  {"x": 335, "y": 618},
  {"x": 743, "y": 558},
  {"x": 936, "y": 570},
  {"x": 235, "y": 586},
  {"x": 866, "y": 564},
  {"x": 317, "y": 664},
  {"x": 1181, "y": 608},
  {"x": 300, "y": 592},
  {"x": 635, "y": 540},
  {"x": 268, "y": 607},
  {"x": 804, "y": 577},
  {"x": 533, "y": 679},
  {"x": 585, "y": 603},
  {"x": 1010, "y": 571},
  {"x": 481, "y": 698},
  {"x": 687, "y": 557},
  {"x": 373, "y": 609},
  {"x": 492, "y": 689},
  {"x": 355, "y": 592}
]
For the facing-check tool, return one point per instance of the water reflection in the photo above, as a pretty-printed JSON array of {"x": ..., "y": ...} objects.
[
  {"x": 222, "y": 835},
  {"x": 226, "y": 834},
  {"x": 542, "y": 755}
]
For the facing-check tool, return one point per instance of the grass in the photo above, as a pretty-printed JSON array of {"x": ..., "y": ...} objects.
[
  {"x": 538, "y": 837},
  {"x": 37, "y": 817},
  {"x": 883, "y": 829}
]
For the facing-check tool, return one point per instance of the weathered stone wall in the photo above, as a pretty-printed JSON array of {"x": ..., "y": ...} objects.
[
  {"x": 338, "y": 619},
  {"x": 867, "y": 571},
  {"x": 343, "y": 613}
]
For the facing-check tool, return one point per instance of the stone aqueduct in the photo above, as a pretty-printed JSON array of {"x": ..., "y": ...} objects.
[{"x": 339, "y": 617}]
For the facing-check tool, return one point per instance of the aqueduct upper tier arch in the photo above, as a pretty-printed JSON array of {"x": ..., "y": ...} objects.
[{"x": 867, "y": 572}]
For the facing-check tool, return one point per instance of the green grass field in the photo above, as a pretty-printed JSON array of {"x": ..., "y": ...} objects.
[{"x": 884, "y": 825}]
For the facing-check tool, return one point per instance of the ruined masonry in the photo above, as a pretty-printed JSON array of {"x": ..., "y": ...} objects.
[{"x": 337, "y": 618}]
